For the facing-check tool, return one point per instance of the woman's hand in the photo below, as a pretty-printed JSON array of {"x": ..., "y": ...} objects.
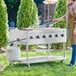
[
  {"x": 74, "y": 32},
  {"x": 54, "y": 21}
]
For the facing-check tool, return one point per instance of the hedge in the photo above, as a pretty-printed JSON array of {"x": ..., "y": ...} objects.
[
  {"x": 60, "y": 11},
  {"x": 3, "y": 24},
  {"x": 27, "y": 14}
]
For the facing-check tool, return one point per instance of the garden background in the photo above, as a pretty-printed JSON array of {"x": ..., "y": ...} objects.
[{"x": 41, "y": 69}]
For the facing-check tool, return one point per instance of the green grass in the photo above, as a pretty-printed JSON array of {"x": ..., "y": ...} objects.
[{"x": 54, "y": 68}]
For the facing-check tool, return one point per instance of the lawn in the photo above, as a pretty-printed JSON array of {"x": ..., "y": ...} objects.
[{"x": 55, "y": 68}]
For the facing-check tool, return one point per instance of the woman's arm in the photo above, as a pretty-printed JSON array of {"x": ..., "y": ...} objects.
[{"x": 59, "y": 19}]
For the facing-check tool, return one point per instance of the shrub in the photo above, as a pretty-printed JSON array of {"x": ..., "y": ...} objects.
[
  {"x": 27, "y": 14},
  {"x": 3, "y": 24},
  {"x": 60, "y": 11}
]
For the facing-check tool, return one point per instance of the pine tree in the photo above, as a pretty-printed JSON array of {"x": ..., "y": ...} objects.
[
  {"x": 27, "y": 14},
  {"x": 3, "y": 24}
]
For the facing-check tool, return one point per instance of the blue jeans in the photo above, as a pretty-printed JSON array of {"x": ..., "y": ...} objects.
[{"x": 73, "y": 59}]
